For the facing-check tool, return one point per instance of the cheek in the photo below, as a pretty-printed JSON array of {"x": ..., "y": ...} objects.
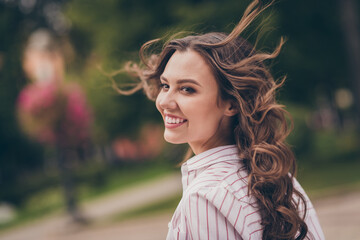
[
  {"x": 201, "y": 115},
  {"x": 207, "y": 113},
  {"x": 157, "y": 103}
]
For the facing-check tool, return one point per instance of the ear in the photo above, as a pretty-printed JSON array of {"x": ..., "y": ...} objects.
[{"x": 231, "y": 109}]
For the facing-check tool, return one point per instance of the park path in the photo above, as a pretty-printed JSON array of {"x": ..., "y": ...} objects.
[{"x": 339, "y": 216}]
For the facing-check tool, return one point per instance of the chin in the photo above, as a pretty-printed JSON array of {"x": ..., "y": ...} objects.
[{"x": 173, "y": 139}]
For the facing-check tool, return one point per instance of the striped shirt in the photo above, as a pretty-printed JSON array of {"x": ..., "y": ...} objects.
[{"x": 215, "y": 202}]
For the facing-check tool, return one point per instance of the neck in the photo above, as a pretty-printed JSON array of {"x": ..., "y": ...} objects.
[
  {"x": 211, "y": 143},
  {"x": 223, "y": 136}
]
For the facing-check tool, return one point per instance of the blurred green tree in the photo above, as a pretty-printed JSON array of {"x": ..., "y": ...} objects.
[
  {"x": 314, "y": 57},
  {"x": 17, "y": 154},
  {"x": 19, "y": 157}
]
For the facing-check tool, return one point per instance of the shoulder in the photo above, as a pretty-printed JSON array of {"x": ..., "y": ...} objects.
[
  {"x": 222, "y": 178},
  {"x": 225, "y": 196}
]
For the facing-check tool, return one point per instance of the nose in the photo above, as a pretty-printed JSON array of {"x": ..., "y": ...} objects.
[{"x": 166, "y": 100}]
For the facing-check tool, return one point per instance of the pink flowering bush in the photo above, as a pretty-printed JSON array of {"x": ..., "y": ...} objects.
[{"x": 54, "y": 113}]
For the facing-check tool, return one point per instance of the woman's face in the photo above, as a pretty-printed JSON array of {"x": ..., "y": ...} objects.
[{"x": 190, "y": 106}]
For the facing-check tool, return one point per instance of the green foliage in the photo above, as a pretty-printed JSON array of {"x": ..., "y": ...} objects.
[
  {"x": 114, "y": 114},
  {"x": 17, "y": 154},
  {"x": 320, "y": 145},
  {"x": 314, "y": 57}
]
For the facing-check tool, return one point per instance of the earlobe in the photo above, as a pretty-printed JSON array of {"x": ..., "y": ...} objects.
[{"x": 231, "y": 109}]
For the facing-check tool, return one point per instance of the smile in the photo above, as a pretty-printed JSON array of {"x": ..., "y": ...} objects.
[{"x": 173, "y": 121}]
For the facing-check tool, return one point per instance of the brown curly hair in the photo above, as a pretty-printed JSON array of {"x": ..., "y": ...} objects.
[{"x": 260, "y": 127}]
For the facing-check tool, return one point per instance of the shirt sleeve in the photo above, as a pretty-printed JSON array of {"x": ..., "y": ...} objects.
[
  {"x": 204, "y": 220},
  {"x": 218, "y": 214}
]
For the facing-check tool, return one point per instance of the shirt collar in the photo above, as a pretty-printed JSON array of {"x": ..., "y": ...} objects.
[{"x": 212, "y": 156}]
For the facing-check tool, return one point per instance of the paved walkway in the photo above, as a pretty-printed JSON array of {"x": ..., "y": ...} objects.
[{"x": 339, "y": 217}]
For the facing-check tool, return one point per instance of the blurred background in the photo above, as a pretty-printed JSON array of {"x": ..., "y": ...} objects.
[{"x": 69, "y": 143}]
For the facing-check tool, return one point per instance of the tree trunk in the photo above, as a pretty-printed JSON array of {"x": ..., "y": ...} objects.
[{"x": 350, "y": 26}]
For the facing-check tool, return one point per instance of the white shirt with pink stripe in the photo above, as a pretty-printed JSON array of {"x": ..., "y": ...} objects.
[{"x": 215, "y": 202}]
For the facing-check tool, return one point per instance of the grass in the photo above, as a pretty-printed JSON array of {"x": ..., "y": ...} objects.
[
  {"x": 166, "y": 205},
  {"x": 321, "y": 179}
]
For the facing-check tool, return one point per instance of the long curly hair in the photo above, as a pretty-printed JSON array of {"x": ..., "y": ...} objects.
[{"x": 260, "y": 127}]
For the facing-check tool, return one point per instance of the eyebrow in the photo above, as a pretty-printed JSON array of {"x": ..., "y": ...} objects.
[{"x": 182, "y": 81}]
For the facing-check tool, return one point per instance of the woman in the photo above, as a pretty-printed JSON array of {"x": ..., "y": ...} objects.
[{"x": 215, "y": 93}]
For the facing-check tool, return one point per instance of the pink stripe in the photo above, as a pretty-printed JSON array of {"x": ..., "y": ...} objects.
[
  {"x": 223, "y": 201},
  {"x": 226, "y": 167},
  {"x": 242, "y": 230},
  {"x": 213, "y": 154},
  {"x": 187, "y": 230},
  {"x": 217, "y": 172},
  {"x": 190, "y": 218},
  {"x": 241, "y": 188},
  {"x": 227, "y": 232},
  {"x": 215, "y": 175},
  {"x": 237, "y": 216},
  {"x": 176, "y": 219},
  {"x": 212, "y": 200},
  {"x": 230, "y": 175},
  {"x": 244, "y": 197},
  {"x": 239, "y": 179},
  {"x": 198, "y": 217},
  {"x": 225, "y": 161},
  {"x": 257, "y": 221},
  {"x": 204, "y": 181},
  {"x": 250, "y": 204},
  {"x": 187, "y": 180},
  {"x": 231, "y": 205},
  {"x": 217, "y": 224},
  {"x": 230, "y": 163},
  {"x": 207, "y": 218},
  {"x": 205, "y": 196},
  {"x": 254, "y": 232},
  {"x": 215, "y": 180}
]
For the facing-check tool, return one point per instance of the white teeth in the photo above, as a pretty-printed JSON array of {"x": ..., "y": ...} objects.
[{"x": 173, "y": 120}]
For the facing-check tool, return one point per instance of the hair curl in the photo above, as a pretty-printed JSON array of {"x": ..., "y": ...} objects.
[{"x": 260, "y": 127}]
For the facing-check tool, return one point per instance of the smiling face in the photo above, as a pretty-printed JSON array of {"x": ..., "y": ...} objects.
[{"x": 190, "y": 106}]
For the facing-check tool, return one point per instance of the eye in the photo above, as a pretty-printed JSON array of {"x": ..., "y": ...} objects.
[
  {"x": 164, "y": 86},
  {"x": 187, "y": 90}
]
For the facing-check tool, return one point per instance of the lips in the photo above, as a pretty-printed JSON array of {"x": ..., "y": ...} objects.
[{"x": 172, "y": 121}]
